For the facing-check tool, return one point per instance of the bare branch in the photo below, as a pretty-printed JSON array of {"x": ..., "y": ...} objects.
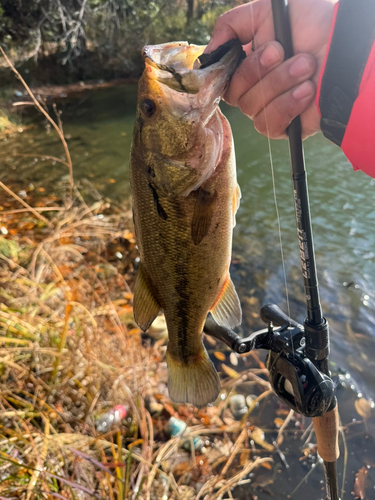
[{"x": 52, "y": 122}]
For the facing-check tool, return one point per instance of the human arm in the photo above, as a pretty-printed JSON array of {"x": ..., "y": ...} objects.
[{"x": 312, "y": 33}]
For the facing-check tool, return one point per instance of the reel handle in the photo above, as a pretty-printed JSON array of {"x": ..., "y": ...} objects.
[
  {"x": 272, "y": 313},
  {"x": 226, "y": 335}
]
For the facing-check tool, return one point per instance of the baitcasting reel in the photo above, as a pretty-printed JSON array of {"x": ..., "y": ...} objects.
[{"x": 293, "y": 377}]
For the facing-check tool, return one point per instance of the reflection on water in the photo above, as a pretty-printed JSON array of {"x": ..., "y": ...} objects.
[{"x": 99, "y": 127}]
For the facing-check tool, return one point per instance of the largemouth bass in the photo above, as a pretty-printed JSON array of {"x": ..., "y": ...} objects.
[{"x": 185, "y": 196}]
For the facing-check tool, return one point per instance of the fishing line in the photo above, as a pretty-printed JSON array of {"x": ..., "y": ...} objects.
[{"x": 272, "y": 172}]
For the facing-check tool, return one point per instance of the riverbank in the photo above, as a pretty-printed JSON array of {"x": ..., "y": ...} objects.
[{"x": 15, "y": 98}]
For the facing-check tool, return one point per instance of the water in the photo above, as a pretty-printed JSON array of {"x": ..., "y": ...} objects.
[
  {"x": 99, "y": 128},
  {"x": 343, "y": 216}
]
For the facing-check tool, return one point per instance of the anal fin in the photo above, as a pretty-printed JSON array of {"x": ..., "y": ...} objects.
[
  {"x": 145, "y": 306},
  {"x": 227, "y": 309}
]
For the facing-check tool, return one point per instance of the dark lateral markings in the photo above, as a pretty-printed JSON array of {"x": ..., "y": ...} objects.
[
  {"x": 150, "y": 171},
  {"x": 159, "y": 208}
]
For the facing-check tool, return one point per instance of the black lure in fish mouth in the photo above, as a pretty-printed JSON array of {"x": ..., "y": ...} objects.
[
  {"x": 184, "y": 67},
  {"x": 216, "y": 55}
]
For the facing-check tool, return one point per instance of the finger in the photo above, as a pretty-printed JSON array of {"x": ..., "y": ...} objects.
[
  {"x": 284, "y": 77},
  {"x": 247, "y": 48},
  {"x": 254, "y": 67},
  {"x": 241, "y": 22},
  {"x": 277, "y": 116}
]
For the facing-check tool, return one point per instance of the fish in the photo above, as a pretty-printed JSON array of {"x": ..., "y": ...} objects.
[{"x": 184, "y": 199}]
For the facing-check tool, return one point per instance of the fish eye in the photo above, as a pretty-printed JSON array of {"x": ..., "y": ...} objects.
[{"x": 148, "y": 108}]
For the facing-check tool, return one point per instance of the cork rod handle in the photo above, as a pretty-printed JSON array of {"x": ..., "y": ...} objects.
[{"x": 326, "y": 431}]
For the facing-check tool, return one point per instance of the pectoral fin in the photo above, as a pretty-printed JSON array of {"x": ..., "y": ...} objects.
[
  {"x": 227, "y": 308},
  {"x": 204, "y": 209},
  {"x": 145, "y": 306}
]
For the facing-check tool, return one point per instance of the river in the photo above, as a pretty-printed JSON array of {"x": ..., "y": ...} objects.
[{"x": 98, "y": 127}]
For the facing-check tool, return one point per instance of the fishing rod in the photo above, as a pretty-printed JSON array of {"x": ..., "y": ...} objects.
[
  {"x": 298, "y": 354},
  {"x": 315, "y": 325}
]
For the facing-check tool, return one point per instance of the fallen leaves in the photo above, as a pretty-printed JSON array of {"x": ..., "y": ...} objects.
[
  {"x": 364, "y": 408},
  {"x": 219, "y": 355},
  {"x": 258, "y": 436},
  {"x": 229, "y": 371},
  {"x": 360, "y": 483}
]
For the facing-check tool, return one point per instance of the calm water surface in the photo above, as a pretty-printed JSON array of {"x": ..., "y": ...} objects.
[{"x": 99, "y": 127}]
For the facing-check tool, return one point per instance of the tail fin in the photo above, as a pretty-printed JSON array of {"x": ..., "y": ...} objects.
[{"x": 196, "y": 383}]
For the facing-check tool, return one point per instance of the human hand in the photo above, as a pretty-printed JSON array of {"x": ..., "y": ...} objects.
[{"x": 266, "y": 89}]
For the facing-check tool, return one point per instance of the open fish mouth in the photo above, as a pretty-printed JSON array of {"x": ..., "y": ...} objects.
[
  {"x": 185, "y": 68},
  {"x": 179, "y": 93}
]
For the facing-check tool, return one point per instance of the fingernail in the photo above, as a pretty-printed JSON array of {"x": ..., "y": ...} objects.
[
  {"x": 302, "y": 91},
  {"x": 270, "y": 56},
  {"x": 300, "y": 67}
]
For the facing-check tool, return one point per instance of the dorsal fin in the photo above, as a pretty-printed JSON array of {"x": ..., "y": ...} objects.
[
  {"x": 227, "y": 309},
  {"x": 145, "y": 306}
]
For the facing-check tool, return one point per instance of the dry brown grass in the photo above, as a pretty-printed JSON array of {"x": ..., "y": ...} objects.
[{"x": 69, "y": 349}]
